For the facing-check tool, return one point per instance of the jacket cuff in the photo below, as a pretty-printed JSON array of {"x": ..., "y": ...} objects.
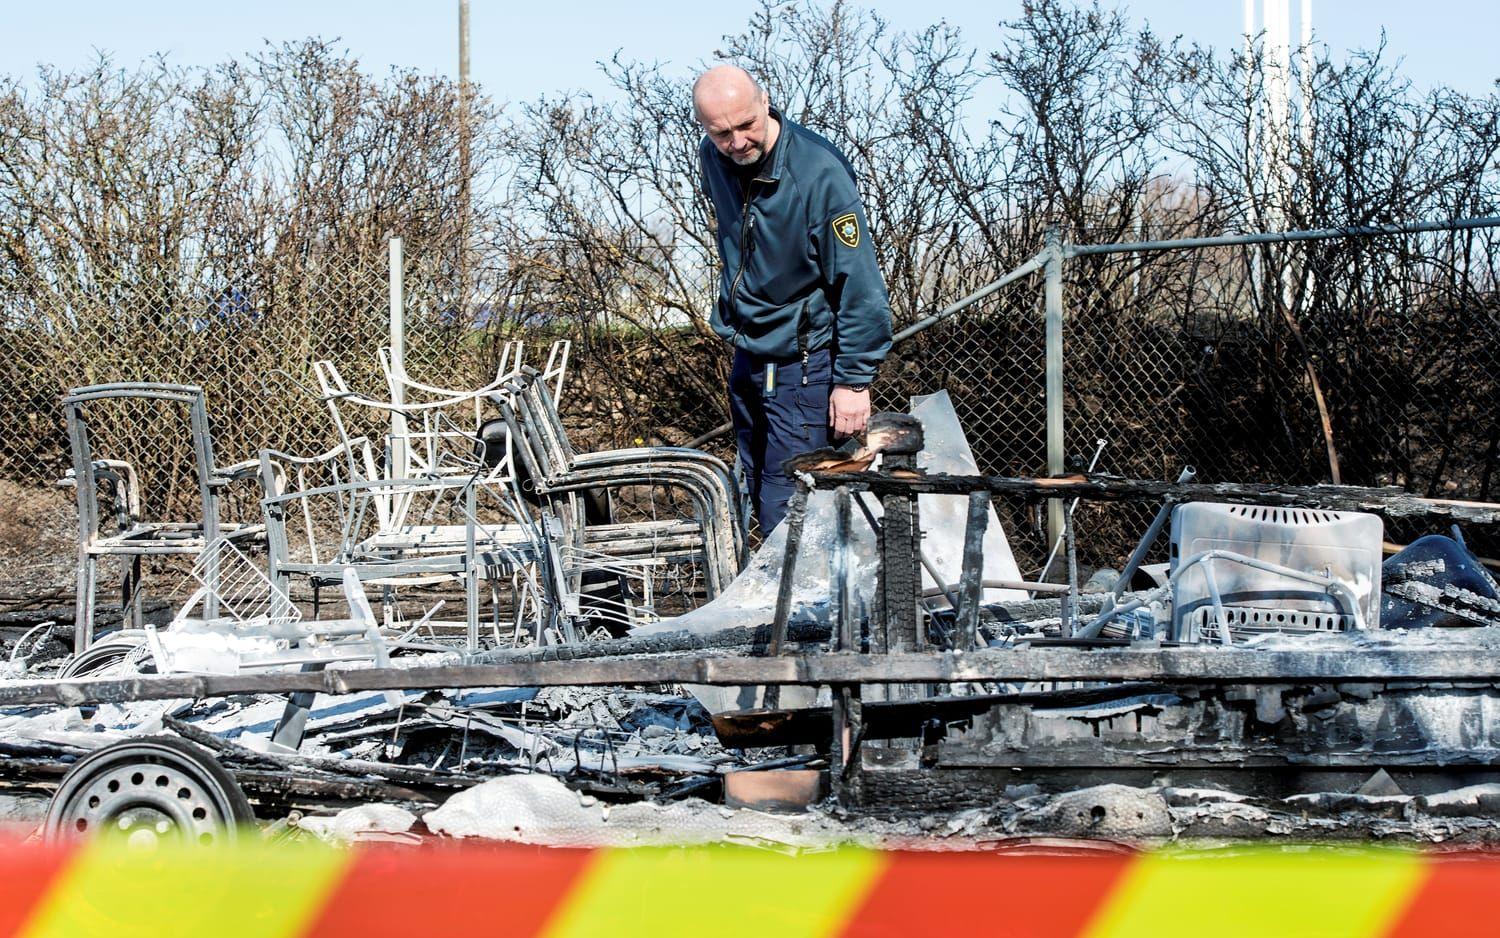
[{"x": 850, "y": 369}]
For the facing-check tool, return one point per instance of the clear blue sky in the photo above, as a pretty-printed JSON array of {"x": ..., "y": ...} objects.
[{"x": 523, "y": 49}]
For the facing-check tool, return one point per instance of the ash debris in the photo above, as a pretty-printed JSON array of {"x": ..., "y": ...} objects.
[{"x": 542, "y": 810}]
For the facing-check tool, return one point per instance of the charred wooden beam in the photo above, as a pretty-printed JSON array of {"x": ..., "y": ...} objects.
[
  {"x": 897, "y": 626},
  {"x": 846, "y": 717},
  {"x": 395, "y": 774},
  {"x": 288, "y": 788},
  {"x": 971, "y": 580},
  {"x": 753, "y": 640},
  {"x": 1390, "y": 501},
  {"x": 796, "y": 517},
  {"x": 1477, "y": 662}
]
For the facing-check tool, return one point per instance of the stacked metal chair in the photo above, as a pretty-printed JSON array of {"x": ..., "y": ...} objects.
[
  {"x": 559, "y": 475},
  {"x": 447, "y": 504},
  {"x": 321, "y": 524}
]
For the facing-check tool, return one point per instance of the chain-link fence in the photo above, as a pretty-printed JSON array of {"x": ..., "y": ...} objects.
[
  {"x": 249, "y": 344},
  {"x": 1365, "y": 359},
  {"x": 1250, "y": 364}
]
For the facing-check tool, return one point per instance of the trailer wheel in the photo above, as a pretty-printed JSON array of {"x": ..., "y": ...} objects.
[
  {"x": 149, "y": 790},
  {"x": 106, "y": 652}
]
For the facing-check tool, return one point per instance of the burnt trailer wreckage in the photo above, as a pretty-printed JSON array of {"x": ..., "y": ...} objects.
[
  {"x": 625, "y": 670},
  {"x": 878, "y": 655}
]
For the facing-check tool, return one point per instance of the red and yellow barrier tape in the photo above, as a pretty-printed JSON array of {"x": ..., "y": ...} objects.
[{"x": 106, "y": 888}]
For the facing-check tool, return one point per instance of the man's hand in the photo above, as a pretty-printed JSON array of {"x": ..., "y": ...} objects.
[{"x": 848, "y": 411}]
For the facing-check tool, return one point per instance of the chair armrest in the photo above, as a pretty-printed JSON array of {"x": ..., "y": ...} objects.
[
  {"x": 226, "y": 475},
  {"x": 122, "y": 475}
]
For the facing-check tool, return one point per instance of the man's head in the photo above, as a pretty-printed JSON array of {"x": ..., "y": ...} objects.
[{"x": 735, "y": 113}]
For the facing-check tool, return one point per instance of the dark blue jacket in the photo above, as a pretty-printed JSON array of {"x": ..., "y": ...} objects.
[{"x": 797, "y": 257}]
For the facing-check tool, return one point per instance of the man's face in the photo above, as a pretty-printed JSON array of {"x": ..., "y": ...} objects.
[{"x": 738, "y": 126}]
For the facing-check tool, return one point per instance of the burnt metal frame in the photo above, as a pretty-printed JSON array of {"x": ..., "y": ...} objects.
[
  {"x": 1197, "y": 665},
  {"x": 848, "y": 673},
  {"x": 900, "y": 483},
  {"x": 486, "y": 551},
  {"x": 1390, "y": 502},
  {"x": 512, "y": 358},
  {"x": 136, "y": 538},
  {"x": 403, "y": 458},
  {"x": 439, "y": 427},
  {"x": 391, "y": 492},
  {"x": 559, "y": 561}
]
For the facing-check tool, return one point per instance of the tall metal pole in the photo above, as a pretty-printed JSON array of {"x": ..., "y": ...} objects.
[
  {"x": 399, "y": 466},
  {"x": 463, "y": 44},
  {"x": 1054, "y": 314},
  {"x": 465, "y": 108},
  {"x": 1277, "y": 64},
  {"x": 1253, "y": 142}
]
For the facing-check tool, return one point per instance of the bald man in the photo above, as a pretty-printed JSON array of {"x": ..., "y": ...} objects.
[{"x": 801, "y": 298}]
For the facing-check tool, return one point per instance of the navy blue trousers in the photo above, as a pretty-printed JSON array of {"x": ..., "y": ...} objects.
[{"x": 776, "y": 420}]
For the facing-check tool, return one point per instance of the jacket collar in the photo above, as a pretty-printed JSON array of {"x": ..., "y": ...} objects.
[{"x": 772, "y": 167}]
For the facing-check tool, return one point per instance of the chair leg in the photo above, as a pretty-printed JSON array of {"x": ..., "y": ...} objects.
[
  {"x": 292, "y": 727},
  {"x": 579, "y": 513},
  {"x": 83, "y": 605},
  {"x": 132, "y": 596},
  {"x": 471, "y": 608},
  {"x": 494, "y": 615}
]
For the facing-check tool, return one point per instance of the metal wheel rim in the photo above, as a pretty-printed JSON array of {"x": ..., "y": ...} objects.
[{"x": 149, "y": 791}]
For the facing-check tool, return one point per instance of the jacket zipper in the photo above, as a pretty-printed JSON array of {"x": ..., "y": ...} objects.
[{"x": 747, "y": 224}]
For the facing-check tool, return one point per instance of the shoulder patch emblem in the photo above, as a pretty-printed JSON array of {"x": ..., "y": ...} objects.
[{"x": 846, "y": 229}]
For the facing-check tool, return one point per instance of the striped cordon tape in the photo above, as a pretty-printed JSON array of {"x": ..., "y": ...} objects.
[{"x": 106, "y": 887}]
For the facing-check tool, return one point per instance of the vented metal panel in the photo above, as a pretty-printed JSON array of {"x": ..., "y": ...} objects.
[{"x": 1344, "y": 546}]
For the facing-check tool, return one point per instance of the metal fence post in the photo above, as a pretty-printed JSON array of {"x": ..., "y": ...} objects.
[
  {"x": 1054, "y": 302},
  {"x": 399, "y": 466}
]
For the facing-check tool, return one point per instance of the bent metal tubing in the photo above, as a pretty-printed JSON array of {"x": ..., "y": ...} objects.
[
  {"x": 555, "y": 468},
  {"x": 1336, "y": 590},
  {"x": 717, "y": 524},
  {"x": 1333, "y": 587}
]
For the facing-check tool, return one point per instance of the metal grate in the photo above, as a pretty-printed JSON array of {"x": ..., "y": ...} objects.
[
  {"x": 1245, "y": 622},
  {"x": 243, "y": 592}
]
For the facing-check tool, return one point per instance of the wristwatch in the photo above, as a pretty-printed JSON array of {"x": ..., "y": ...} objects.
[{"x": 856, "y": 387}]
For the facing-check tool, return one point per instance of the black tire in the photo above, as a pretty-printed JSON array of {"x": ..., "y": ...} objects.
[{"x": 151, "y": 787}]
